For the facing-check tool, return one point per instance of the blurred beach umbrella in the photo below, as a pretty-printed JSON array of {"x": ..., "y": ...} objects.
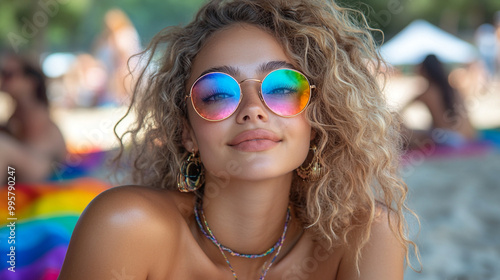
[{"x": 420, "y": 38}]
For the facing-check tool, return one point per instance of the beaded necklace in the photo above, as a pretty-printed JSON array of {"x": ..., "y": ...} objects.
[{"x": 198, "y": 211}]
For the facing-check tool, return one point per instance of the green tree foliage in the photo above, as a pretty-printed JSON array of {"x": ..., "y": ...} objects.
[
  {"x": 28, "y": 25},
  {"x": 73, "y": 25}
]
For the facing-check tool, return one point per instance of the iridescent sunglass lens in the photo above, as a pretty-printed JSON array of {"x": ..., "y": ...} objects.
[
  {"x": 215, "y": 96},
  {"x": 286, "y": 92}
]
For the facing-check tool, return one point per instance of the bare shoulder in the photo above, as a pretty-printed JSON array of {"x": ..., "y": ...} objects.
[
  {"x": 121, "y": 206},
  {"x": 384, "y": 224},
  {"x": 146, "y": 199},
  {"x": 120, "y": 232},
  {"x": 382, "y": 257}
]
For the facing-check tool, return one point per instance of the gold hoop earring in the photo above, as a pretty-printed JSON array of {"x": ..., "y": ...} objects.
[
  {"x": 312, "y": 172},
  {"x": 191, "y": 174}
]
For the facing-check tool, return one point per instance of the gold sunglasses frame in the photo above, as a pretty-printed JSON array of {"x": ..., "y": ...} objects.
[{"x": 190, "y": 95}]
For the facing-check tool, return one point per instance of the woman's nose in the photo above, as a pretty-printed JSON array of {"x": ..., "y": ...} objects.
[{"x": 251, "y": 108}]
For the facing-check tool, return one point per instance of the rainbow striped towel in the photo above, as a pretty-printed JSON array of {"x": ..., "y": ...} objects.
[{"x": 46, "y": 216}]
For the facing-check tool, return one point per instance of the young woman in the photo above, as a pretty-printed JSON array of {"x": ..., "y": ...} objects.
[
  {"x": 30, "y": 141},
  {"x": 451, "y": 125},
  {"x": 264, "y": 150}
]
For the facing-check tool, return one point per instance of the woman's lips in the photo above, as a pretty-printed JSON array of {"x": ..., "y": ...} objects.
[{"x": 255, "y": 140}]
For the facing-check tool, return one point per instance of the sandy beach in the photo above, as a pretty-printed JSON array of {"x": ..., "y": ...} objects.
[
  {"x": 456, "y": 196},
  {"x": 458, "y": 202}
]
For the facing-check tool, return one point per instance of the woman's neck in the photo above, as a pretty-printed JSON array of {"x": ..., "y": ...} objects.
[
  {"x": 26, "y": 103},
  {"x": 247, "y": 216}
]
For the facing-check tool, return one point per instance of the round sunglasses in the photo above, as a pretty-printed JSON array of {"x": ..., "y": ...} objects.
[{"x": 216, "y": 96}]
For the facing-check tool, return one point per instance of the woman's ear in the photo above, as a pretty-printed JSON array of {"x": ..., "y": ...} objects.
[
  {"x": 188, "y": 138},
  {"x": 313, "y": 134}
]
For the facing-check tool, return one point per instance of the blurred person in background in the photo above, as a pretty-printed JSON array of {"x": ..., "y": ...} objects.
[
  {"x": 450, "y": 123},
  {"x": 30, "y": 141},
  {"x": 117, "y": 43}
]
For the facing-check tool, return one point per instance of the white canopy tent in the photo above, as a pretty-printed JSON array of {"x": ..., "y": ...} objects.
[{"x": 420, "y": 38}]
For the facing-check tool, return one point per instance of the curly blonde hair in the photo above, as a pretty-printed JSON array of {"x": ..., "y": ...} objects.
[{"x": 357, "y": 139}]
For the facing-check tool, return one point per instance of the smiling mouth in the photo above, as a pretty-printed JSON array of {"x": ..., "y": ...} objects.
[
  {"x": 255, "y": 140},
  {"x": 255, "y": 145}
]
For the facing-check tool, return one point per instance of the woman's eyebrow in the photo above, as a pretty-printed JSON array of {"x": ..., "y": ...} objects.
[
  {"x": 273, "y": 65},
  {"x": 233, "y": 71},
  {"x": 263, "y": 68}
]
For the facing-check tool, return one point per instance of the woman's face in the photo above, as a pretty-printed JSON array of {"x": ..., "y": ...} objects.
[
  {"x": 13, "y": 81},
  {"x": 253, "y": 143}
]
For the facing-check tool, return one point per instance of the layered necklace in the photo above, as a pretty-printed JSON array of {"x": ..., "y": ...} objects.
[{"x": 203, "y": 224}]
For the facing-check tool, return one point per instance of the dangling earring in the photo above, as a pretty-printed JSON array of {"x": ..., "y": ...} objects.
[
  {"x": 191, "y": 174},
  {"x": 312, "y": 172}
]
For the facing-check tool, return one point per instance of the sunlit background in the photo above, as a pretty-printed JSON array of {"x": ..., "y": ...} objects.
[{"x": 83, "y": 45}]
